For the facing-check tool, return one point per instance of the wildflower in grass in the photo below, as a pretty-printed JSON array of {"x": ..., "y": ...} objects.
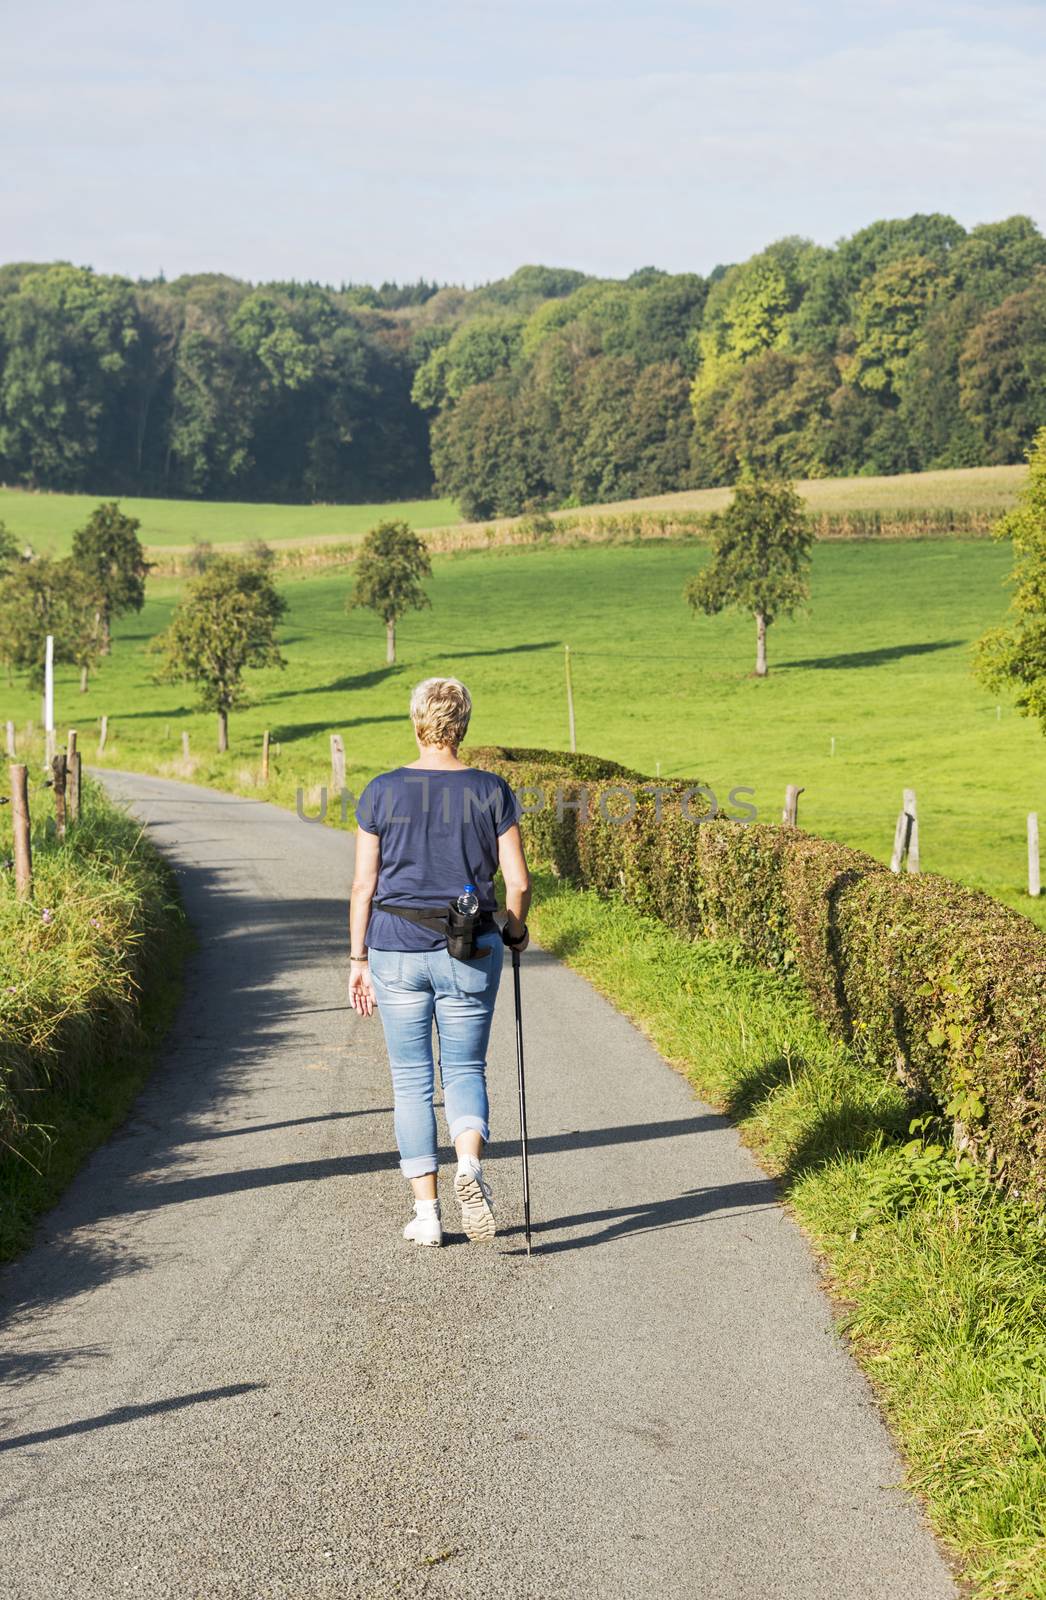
[
  {"x": 95, "y": 923},
  {"x": 47, "y": 915}
]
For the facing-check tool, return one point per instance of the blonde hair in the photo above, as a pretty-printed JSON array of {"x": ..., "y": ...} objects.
[{"x": 440, "y": 709}]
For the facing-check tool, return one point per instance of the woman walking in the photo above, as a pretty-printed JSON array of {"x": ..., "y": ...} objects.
[{"x": 431, "y": 836}]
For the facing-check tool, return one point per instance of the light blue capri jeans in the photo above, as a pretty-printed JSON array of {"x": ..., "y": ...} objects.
[{"x": 412, "y": 987}]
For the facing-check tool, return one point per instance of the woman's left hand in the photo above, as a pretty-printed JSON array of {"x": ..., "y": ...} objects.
[{"x": 361, "y": 994}]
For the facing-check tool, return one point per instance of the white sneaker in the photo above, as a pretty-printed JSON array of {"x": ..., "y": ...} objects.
[
  {"x": 474, "y": 1198},
  {"x": 425, "y": 1226}
]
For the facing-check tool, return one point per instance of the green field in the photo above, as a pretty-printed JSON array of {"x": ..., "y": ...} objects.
[
  {"x": 881, "y": 665},
  {"x": 47, "y": 521}
]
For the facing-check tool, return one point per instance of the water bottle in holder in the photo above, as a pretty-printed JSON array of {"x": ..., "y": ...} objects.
[{"x": 464, "y": 924}]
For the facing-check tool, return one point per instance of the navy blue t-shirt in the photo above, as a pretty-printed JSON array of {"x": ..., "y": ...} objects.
[{"x": 438, "y": 832}]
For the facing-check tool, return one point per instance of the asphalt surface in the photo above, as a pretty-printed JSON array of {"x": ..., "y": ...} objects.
[{"x": 226, "y": 1375}]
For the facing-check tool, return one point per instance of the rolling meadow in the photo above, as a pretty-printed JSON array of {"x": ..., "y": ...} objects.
[{"x": 869, "y": 692}]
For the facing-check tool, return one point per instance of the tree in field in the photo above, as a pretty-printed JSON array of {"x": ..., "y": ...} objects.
[
  {"x": 1014, "y": 657},
  {"x": 9, "y": 551},
  {"x": 108, "y": 557},
  {"x": 390, "y": 567},
  {"x": 760, "y": 558},
  {"x": 225, "y": 624},
  {"x": 38, "y": 598}
]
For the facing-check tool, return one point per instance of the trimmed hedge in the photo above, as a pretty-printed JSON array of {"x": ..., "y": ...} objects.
[{"x": 938, "y": 985}]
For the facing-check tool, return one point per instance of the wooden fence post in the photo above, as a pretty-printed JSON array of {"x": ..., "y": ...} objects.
[
  {"x": 11, "y": 751},
  {"x": 185, "y": 746},
  {"x": 790, "y": 814},
  {"x": 1034, "y": 881},
  {"x": 570, "y": 698},
  {"x": 906, "y": 835},
  {"x": 60, "y": 768},
  {"x": 72, "y": 777},
  {"x": 265, "y": 756},
  {"x": 913, "y": 832},
  {"x": 337, "y": 764},
  {"x": 20, "y": 821},
  {"x": 103, "y": 735}
]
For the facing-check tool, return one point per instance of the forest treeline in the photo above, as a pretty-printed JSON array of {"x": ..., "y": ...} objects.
[{"x": 912, "y": 344}]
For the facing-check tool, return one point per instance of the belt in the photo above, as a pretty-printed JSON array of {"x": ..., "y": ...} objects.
[{"x": 430, "y": 917}]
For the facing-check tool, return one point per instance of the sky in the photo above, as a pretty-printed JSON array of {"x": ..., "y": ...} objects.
[{"x": 456, "y": 141}]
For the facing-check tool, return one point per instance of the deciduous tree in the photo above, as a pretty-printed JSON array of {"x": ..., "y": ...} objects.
[
  {"x": 1002, "y": 373},
  {"x": 390, "y": 568},
  {"x": 760, "y": 558},
  {"x": 67, "y": 335},
  {"x": 38, "y": 598},
  {"x": 1014, "y": 657},
  {"x": 110, "y": 564},
  {"x": 225, "y": 624},
  {"x": 9, "y": 550}
]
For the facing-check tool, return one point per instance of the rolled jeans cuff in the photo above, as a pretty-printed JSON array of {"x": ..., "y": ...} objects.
[
  {"x": 417, "y": 1166},
  {"x": 465, "y": 1124}
]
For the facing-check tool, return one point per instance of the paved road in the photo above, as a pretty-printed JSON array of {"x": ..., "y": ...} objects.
[{"x": 228, "y": 1377}]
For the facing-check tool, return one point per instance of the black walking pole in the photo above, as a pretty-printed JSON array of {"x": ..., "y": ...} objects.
[{"x": 522, "y": 1098}]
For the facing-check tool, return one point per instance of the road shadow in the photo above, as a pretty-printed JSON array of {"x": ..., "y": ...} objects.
[
  {"x": 122, "y": 1414},
  {"x": 618, "y": 1222},
  {"x": 153, "y": 1189},
  {"x": 244, "y": 984}
]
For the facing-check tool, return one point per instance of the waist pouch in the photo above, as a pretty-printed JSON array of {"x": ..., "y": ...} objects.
[{"x": 460, "y": 928}]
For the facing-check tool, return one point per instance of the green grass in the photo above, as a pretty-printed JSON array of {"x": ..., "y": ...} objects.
[
  {"x": 882, "y": 665},
  {"x": 48, "y": 521},
  {"x": 89, "y": 975},
  {"x": 941, "y": 1285}
]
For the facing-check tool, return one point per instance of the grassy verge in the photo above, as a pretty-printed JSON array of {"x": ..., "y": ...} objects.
[
  {"x": 941, "y": 1283},
  {"x": 88, "y": 982}
]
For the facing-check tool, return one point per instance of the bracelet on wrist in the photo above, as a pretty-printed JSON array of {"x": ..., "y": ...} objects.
[{"x": 362, "y": 959}]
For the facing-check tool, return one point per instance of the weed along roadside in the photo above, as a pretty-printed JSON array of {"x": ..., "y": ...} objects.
[
  {"x": 91, "y": 943},
  {"x": 878, "y": 1041}
]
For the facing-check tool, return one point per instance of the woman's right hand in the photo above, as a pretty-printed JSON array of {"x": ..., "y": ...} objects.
[
  {"x": 511, "y": 932},
  {"x": 361, "y": 992}
]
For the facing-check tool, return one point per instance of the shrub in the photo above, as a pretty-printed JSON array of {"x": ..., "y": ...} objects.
[
  {"x": 73, "y": 958},
  {"x": 936, "y": 985}
]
